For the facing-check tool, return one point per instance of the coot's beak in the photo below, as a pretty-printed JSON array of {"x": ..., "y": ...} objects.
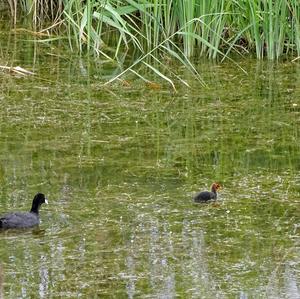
[{"x": 46, "y": 201}]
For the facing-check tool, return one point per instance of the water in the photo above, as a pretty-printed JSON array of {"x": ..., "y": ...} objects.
[{"x": 120, "y": 165}]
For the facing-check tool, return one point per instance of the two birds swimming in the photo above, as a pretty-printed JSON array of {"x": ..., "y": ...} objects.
[{"x": 31, "y": 218}]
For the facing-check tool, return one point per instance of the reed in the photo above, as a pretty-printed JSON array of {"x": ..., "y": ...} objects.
[
  {"x": 268, "y": 28},
  {"x": 177, "y": 28}
]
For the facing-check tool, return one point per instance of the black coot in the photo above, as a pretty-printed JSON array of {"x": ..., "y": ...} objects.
[
  {"x": 206, "y": 195},
  {"x": 24, "y": 219}
]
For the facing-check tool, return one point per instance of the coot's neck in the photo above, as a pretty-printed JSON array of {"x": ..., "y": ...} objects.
[
  {"x": 213, "y": 190},
  {"x": 35, "y": 208}
]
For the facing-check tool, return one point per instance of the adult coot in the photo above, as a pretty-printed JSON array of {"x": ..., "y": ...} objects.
[
  {"x": 24, "y": 219},
  {"x": 206, "y": 195}
]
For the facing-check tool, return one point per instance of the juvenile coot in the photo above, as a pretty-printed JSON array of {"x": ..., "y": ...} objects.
[
  {"x": 24, "y": 219},
  {"x": 206, "y": 195}
]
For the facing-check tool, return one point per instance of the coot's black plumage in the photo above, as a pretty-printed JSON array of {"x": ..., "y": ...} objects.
[
  {"x": 24, "y": 219},
  {"x": 206, "y": 195}
]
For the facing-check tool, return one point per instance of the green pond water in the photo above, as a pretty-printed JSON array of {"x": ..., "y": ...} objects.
[{"x": 120, "y": 164}]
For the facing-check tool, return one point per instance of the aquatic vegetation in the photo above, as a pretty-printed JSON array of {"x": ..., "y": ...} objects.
[
  {"x": 198, "y": 27},
  {"x": 151, "y": 31},
  {"x": 16, "y": 70},
  {"x": 121, "y": 165}
]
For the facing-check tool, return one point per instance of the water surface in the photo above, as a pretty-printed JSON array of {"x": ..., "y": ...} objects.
[{"x": 120, "y": 165}]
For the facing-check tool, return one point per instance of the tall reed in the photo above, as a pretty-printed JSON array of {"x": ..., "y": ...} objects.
[
  {"x": 180, "y": 28},
  {"x": 198, "y": 27}
]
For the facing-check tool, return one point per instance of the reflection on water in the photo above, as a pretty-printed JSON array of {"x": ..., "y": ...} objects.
[
  {"x": 120, "y": 166},
  {"x": 1, "y": 282}
]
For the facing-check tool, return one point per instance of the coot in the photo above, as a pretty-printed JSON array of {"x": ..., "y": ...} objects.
[
  {"x": 206, "y": 195},
  {"x": 24, "y": 219}
]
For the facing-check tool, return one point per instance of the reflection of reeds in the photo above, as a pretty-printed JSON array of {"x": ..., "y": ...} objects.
[{"x": 1, "y": 282}]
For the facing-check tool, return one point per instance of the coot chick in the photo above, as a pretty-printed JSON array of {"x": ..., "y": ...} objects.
[
  {"x": 206, "y": 195},
  {"x": 24, "y": 219}
]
